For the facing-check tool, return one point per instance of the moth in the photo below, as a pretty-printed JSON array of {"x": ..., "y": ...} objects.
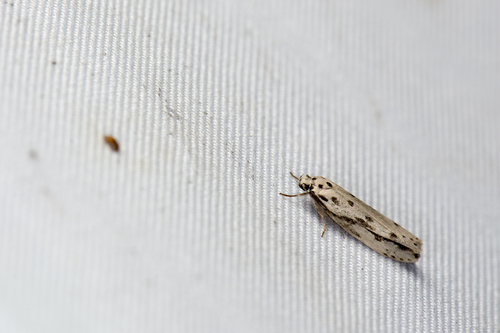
[{"x": 361, "y": 221}]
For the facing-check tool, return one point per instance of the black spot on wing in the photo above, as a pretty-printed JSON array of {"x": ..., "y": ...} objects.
[
  {"x": 402, "y": 247},
  {"x": 393, "y": 235},
  {"x": 348, "y": 220},
  {"x": 350, "y": 203},
  {"x": 335, "y": 201},
  {"x": 322, "y": 198},
  {"x": 364, "y": 224}
]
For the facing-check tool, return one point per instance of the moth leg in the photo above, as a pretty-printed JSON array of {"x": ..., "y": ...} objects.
[
  {"x": 294, "y": 195},
  {"x": 322, "y": 217}
]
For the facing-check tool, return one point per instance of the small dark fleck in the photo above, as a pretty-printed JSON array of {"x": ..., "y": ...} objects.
[
  {"x": 335, "y": 201},
  {"x": 53, "y": 63},
  {"x": 397, "y": 225},
  {"x": 403, "y": 236},
  {"x": 393, "y": 235},
  {"x": 385, "y": 254},
  {"x": 378, "y": 238},
  {"x": 33, "y": 154},
  {"x": 415, "y": 244},
  {"x": 350, "y": 203},
  {"x": 314, "y": 178},
  {"x": 393, "y": 257},
  {"x": 401, "y": 259},
  {"x": 112, "y": 143},
  {"x": 320, "y": 185},
  {"x": 355, "y": 233},
  {"x": 417, "y": 255},
  {"x": 323, "y": 198},
  {"x": 369, "y": 219},
  {"x": 329, "y": 184},
  {"x": 411, "y": 238}
]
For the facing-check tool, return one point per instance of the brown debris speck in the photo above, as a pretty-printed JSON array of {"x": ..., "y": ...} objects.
[{"x": 112, "y": 143}]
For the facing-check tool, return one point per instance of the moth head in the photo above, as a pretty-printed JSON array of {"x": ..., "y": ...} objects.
[{"x": 305, "y": 182}]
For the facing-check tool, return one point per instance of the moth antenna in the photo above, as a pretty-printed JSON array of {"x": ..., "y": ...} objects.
[
  {"x": 294, "y": 195},
  {"x": 294, "y": 175}
]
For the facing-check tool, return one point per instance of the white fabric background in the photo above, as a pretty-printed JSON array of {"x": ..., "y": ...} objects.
[{"x": 213, "y": 103}]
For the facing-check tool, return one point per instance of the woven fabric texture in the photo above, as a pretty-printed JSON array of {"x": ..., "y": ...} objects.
[{"x": 212, "y": 104}]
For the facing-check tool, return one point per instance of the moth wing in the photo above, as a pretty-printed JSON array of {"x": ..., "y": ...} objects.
[
  {"x": 404, "y": 237},
  {"x": 382, "y": 245},
  {"x": 356, "y": 217}
]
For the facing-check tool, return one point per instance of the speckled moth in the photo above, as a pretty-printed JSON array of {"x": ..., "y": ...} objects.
[{"x": 360, "y": 220}]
